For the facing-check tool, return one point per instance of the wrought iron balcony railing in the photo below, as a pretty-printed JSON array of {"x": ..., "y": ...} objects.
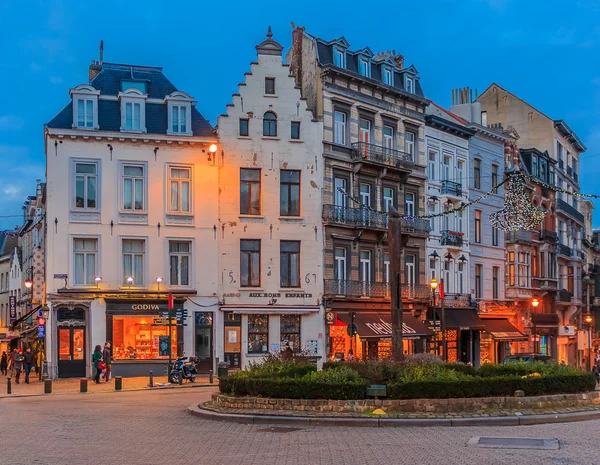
[
  {"x": 564, "y": 250},
  {"x": 378, "y": 154},
  {"x": 548, "y": 235},
  {"x": 360, "y": 289},
  {"x": 365, "y": 218},
  {"x": 451, "y": 188},
  {"x": 452, "y": 238},
  {"x": 564, "y": 296},
  {"x": 570, "y": 210},
  {"x": 456, "y": 300}
]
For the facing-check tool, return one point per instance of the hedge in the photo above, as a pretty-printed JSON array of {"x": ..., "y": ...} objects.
[
  {"x": 492, "y": 387},
  {"x": 292, "y": 388}
]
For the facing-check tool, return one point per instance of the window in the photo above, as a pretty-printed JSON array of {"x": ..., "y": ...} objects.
[
  {"x": 289, "y": 330},
  {"x": 460, "y": 288},
  {"x": 85, "y": 113},
  {"x": 86, "y": 182},
  {"x": 364, "y": 131},
  {"x": 365, "y": 67},
  {"x": 270, "y": 124},
  {"x": 340, "y": 269},
  {"x": 410, "y": 263},
  {"x": 410, "y": 85},
  {"x": 446, "y": 169},
  {"x": 432, "y": 267},
  {"x": 432, "y": 164},
  {"x": 477, "y": 174},
  {"x": 409, "y": 204},
  {"x": 388, "y": 198},
  {"x": 495, "y": 273},
  {"x": 388, "y": 77},
  {"x": 484, "y": 118},
  {"x": 388, "y": 137},
  {"x": 339, "y": 195},
  {"x": 460, "y": 169},
  {"x": 570, "y": 280},
  {"x": 561, "y": 232},
  {"x": 365, "y": 194},
  {"x": 250, "y": 262},
  {"x": 289, "y": 263},
  {"x": 364, "y": 271},
  {"x": 244, "y": 126},
  {"x": 249, "y": 191},
  {"x": 139, "y": 85},
  {"x": 134, "y": 251},
  {"x": 84, "y": 261},
  {"x": 269, "y": 86},
  {"x": 179, "y": 262},
  {"x": 495, "y": 178},
  {"x": 543, "y": 269},
  {"x": 543, "y": 170},
  {"x": 478, "y": 281},
  {"x": 459, "y": 220},
  {"x": 295, "y": 130},
  {"x": 339, "y": 56},
  {"x": 139, "y": 333},
  {"x": 133, "y": 112},
  {"x": 534, "y": 266},
  {"x": 258, "y": 334},
  {"x": 386, "y": 267},
  {"x": 409, "y": 144},
  {"x": 133, "y": 187},
  {"x": 552, "y": 265},
  {"x": 478, "y": 226},
  {"x": 431, "y": 210},
  {"x": 289, "y": 193},
  {"x": 494, "y": 236},
  {"x": 179, "y": 117},
  {"x": 179, "y": 189},
  {"x": 523, "y": 270},
  {"x": 534, "y": 166},
  {"x": 339, "y": 130}
]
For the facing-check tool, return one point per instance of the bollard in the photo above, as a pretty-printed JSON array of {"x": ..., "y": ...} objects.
[
  {"x": 151, "y": 379},
  {"x": 210, "y": 377},
  {"x": 8, "y": 386},
  {"x": 83, "y": 385},
  {"x": 118, "y": 383},
  {"x": 47, "y": 386}
]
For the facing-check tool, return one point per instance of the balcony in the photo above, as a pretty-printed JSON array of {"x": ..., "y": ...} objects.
[
  {"x": 458, "y": 300},
  {"x": 382, "y": 156},
  {"x": 549, "y": 236},
  {"x": 451, "y": 188},
  {"x": 564, "y": 296},
  {"x": 519, "y": 236},
  {"x": 516, "y": 292},
  {"x": 364, "y": 218},
  {"x": 452, "y": 238},
  {"x": 545, "y": 284},
  {"x": 570, "y": 210},
  {"x": 368, "y": 289},
  {"x": 564, "y": 250},
  {"x": 577, "y": 254}
]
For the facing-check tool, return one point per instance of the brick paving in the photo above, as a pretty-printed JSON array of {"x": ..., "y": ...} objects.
[{"x": 152, "y": 428}]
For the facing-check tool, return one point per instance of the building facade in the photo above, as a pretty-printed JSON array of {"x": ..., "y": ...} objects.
[
  {"x": 270, "y": 235},
  {"x": 8, "y": 243},
  {"x": 373, "y": 113},
  {"x": 132, "y": 214}
]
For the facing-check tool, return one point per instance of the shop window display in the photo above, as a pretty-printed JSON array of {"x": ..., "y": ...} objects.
[{"x": 135, "y": 338}]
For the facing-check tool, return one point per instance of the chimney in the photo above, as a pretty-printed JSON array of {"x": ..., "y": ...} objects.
[
  {"x": 96, "y": 66},
  {"x": 399, "y": 60},
  {"x": 296, "y": 62}
]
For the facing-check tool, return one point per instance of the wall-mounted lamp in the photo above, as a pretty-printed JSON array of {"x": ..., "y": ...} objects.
[
  {"x": 130, "y": 281},
  {"x": 212, "y": 149},
  {"x": 462, "y": 259},
  {"x": 98, "y": 280},
  {"x": 434, "y": 255},
  {"x": 158, "y": 281}
]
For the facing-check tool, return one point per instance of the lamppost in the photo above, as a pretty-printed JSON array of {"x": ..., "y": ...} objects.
[
  {"x": 534, "y": 303},
  {"x": 589, "y": 319},
  {"x": 433, "y": 284}
]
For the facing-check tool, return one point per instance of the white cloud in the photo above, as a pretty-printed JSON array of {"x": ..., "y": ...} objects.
[
  {"x": 12, "y": 191},
  {"x": 11, "y": 123}
]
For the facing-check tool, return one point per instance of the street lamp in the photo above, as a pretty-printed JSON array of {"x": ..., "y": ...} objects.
[
  {"x": 158, "y": 281},
  {"x": 534, "y": 303},
  {"x": 98, "y": 280},
  {"x": 28, "y": 283},
  {"x": 130, "y": 281},
  {"x": 433, "y": 284},
  {"x": 589, "y": 319},
  {"x": 212, "y": 149}
]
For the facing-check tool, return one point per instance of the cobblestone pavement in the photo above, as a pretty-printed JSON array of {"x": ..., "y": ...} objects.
[{"x": 152, "y": 428}]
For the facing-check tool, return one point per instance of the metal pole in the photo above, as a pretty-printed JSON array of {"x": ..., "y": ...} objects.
[
  {"x": 588, "y": 311},
  {"x": 395, "y": 241},
  {"x": 170, "y": 348},
  {"x": 444, "y": 342},
  {"x": 535, "y": 341}
]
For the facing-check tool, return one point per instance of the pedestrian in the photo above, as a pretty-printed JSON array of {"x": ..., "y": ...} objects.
[
  {"x": 350, "y": 357},
  {"x": 4, "y": 364},
  {"x": 96, "y": 360},
  {"x": 288, "y": 352},
  {"x": 28, "y": 362},
  {"x": 18, "y": 364},
  {"x": 596, "y": 371},
  {"x": 107, "y": 358}
]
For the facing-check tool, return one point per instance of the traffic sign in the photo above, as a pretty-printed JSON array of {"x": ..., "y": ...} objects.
[
  {"x": 352, "y": 329},
  {"x": 41, "y": 331}
]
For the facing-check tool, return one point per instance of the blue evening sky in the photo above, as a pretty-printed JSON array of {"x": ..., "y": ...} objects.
[{"x": 545, "y": 51}]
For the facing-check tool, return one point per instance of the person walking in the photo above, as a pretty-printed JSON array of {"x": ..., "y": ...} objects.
[
  {"x": 596, "y": 371},
  {"x": 28, "y": 362},
  {"x": 107, "y": 358},
  {"x": 18, "y": 364},
  {"x": 96, "y": 359},
  {"x": 4, "y": 364}
]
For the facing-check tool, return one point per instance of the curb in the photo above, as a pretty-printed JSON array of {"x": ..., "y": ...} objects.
[{"x": 205, "y": 414}]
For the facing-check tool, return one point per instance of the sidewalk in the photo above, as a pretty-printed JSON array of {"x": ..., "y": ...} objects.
[{"x": 71, "y": 385}]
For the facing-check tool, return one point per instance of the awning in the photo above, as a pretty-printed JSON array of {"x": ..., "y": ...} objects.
[
  {"x": 8, "y": 338},
  {"x": 271, "y": 310},
  {"x": 24, "y": 317},
  {"x": 379, "y": 325},
  {"x": 544, "y": 320},
  {"x": 501, "y": 330},
  {"x": 461, "y": 318}
]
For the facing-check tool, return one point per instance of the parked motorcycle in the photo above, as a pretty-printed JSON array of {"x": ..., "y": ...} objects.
[{"x": 184, "y": 368}]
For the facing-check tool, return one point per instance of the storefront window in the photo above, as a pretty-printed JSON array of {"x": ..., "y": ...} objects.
[
  {"x": 258, "y": 334},
  {"x": 290, "y": 331},
  {"x": 136, "y": 338}
]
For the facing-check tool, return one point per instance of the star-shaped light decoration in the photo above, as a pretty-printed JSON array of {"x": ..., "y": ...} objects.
[{"x": 518, "y": 212}]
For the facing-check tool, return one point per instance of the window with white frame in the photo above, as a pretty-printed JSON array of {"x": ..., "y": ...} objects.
[
  {"x": 180, "y": 253},
  {"x": 409, "y": 204},
  {"x": 180, "y": 187},
  {"x": 339, "y": 129},
  {"x": 134, "y": 190},
  {"x": 409, "y": 143},
  {"x": 85, "y": 113},
  {"x": 85, "y": 107},
  {"x": 134, "y": 255},
  {"x": 365, "y": 67},
  {"x": 432, "y": 164},
  {"x": 431, "y": 212},
  {"x": 339, "y": 57},
  {"x": 179, "y": 113},
  {"x": 459, "y": 221},
  {"x": 388, "y": 137},
  {"x": 460, "y": 170},
  {"x": 85, "y": 258},
  {"x": 179, "y": 119},
  {"x": 388, "y": 77},
  {"x": 133, "y": 111},
  {"x": 86, "y": 184},
  {"x": 410, "y": 85}
]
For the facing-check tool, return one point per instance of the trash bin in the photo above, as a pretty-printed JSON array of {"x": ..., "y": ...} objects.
[{"x": 222, "y": 369}]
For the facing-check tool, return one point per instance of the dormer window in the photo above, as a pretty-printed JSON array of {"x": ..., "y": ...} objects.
[
  {"x": 410, "y": 85},
  {"x": 364, "y": 67},
  {"x": 388, "y": 76},
  {"x": 133, "y": 110},
  {"x": 139, "y": 85},
  {"x": 180, "y": 113},
  {"x": 339, "y": 57},
  {"x": 85, "y": 107}
]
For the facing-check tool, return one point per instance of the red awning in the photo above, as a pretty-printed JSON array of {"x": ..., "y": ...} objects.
[{"x": 501, "y": 330}]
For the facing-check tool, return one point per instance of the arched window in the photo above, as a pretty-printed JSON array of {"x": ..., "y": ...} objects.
[{"x": 270, "y": 124}]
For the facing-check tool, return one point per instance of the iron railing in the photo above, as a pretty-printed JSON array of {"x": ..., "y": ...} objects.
[
  {"x": 458, "y": 300},
  {"x": 519, "y": 236},
  {"x": 452, "y": 188},
  {"x": 361, "y": 151},
  {"x": 548, "y": 235},
  {"x": 451, "y": 238},
  {"x": 359, "y": 289},
  {"x": 547, "y": 284},
  {"x": 577, "y": 253},
  {"x": 570, "y": 210},
  {"x": 366, "y": 218},
  {"x": 564, "y": 250},
  {"x": 564, "y": 296}
]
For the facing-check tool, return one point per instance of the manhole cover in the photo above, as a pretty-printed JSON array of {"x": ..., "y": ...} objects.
[
  {"x": 514, "y": 443},
  {"x": 278, "y": 429}
]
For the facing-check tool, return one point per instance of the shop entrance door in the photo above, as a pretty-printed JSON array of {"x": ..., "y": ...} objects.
[
  {"x": 71, "y": 352},
  {"x": 203, "y": 344}
]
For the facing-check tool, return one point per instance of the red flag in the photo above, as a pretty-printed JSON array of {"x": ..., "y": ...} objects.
[
  {"x": 442, "y": 290},
  {"x": 171, "y": 302}
]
